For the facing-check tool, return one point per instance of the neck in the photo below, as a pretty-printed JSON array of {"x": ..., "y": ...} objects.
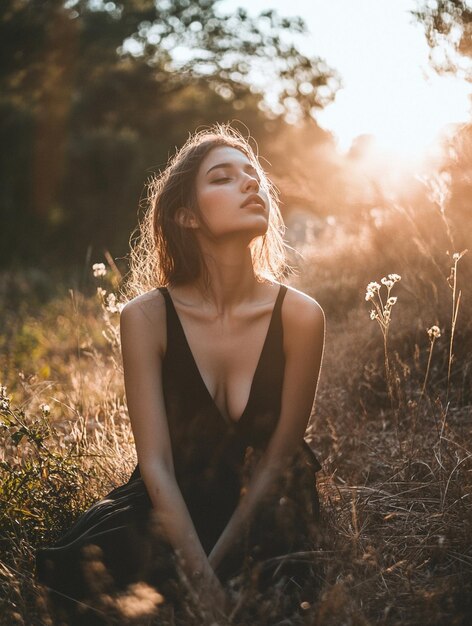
[{"x": 230, "y": 276}]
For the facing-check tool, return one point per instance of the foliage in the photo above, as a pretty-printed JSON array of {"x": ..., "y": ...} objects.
[
  {"x": 448, "y": 28},
  {"x": 94, "y": 96},
  {"x": 33, "y": 467}
]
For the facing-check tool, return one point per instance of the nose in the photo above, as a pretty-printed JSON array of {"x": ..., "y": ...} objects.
[{"x": 251, "y": 182}]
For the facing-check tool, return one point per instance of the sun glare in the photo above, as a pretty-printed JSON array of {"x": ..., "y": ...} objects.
[
  {"x": 408, "y": 126},
  {"x": 389, "y": 89}
]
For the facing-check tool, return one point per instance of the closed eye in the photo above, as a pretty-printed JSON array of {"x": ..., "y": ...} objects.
[{"x": 221, "y": 180}]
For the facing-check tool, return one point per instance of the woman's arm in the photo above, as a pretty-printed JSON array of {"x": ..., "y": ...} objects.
[
  {"x": 143, "y": 339},
  {"x": 304, "y": 326}
]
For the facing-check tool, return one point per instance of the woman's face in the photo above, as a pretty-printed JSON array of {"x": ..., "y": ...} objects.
[{"x": 230, "y": 196}]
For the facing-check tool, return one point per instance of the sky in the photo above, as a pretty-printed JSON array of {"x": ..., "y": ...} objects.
[{"x": 389, "y": 89}]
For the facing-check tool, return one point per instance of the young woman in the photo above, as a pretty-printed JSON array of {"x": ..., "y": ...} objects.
[{"x": 221, "y": 364}]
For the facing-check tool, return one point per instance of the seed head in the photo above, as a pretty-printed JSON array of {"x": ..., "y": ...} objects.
[
  {"x": 4, "y": 399},
  {"x": 99, "y": 269},
  {"x": 387, "y": 282},
  {"x": 391, "y": 301},
  {"x": 112, "y": 304},
  {"x": 373, "y": 286},
  {"x": 434, "y": 332},
  {"x": 371, "y": 290},
  {"x": 373, "y": 314},
  {"x": 394, "y": 277},
  {"x": 46, "y": 409}
]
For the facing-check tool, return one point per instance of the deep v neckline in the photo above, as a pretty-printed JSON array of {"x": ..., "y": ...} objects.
[{"x": 228, "y": 419}]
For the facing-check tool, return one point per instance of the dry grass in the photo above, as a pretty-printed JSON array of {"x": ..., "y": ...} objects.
[{"x": 396, "y": 484}]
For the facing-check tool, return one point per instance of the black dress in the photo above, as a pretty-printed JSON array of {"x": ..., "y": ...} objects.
[{"x": 213, "y": 461}]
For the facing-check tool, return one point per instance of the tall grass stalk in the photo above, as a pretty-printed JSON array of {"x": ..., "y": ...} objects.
[
  {"x": 456, "y": 300},
  {"x": 433, "y": 334}
]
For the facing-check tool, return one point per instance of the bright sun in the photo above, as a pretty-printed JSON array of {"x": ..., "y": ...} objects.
[
  {"x": 406, "y": 127},
  {"x": 389, "y": 89}
]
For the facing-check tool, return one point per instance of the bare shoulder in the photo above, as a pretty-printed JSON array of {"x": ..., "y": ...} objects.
[
  {"x": 145, "y": 316},
  {"x": 146, "y": 304},
  {"x": 302, "y": 314}
]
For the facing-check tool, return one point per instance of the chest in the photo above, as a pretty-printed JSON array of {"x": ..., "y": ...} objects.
[
  {"x": 226, "y": 350},
  {"x": 224, "y": 358}
]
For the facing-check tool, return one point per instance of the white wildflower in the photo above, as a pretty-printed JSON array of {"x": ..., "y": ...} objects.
[
  {"x": 387, "y": 282},
  {"x": 373, "y": 286},
  {"x": 111, "y": 300},
  {"x": 101, "y": 292},
  {"x": 46, "y": 409},
  {"x": 99, "y": 269},
  {"x": 112, "y": 305},
  {"x": 457, "y": 256},
  {"x": 434, "y": 332},
  {"x": 371, "y": 289},
  {"x": 4, "y": 399},
  {"x": 382, "y": 314}
]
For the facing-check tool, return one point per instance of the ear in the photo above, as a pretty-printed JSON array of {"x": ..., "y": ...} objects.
[{"x": 186, "y": 218}]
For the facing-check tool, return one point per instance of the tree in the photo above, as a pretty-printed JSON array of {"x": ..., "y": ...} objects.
[
  {"x": 448, "y": 28},
  {"x": 94, "y": 93}
]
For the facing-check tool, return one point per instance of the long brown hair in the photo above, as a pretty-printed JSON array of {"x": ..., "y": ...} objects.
[{"x": 164, "y": 252}]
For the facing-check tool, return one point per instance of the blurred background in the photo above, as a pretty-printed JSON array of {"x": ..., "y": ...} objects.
[{"x": 351, "y": 104}]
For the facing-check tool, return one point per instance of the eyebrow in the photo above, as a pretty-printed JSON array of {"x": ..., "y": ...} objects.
[{"x": 247, "y": 166}]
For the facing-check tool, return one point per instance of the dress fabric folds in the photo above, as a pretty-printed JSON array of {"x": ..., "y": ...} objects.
[{"x": 213, "y": 460}]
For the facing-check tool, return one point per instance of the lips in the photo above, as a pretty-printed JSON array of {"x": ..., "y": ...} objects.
[{"x": 253, "y": 199}]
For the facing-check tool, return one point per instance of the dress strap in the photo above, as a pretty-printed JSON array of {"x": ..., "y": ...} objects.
[
  {"x": 168, "y": 301},
  {"x": 280, "y": 296},
  {"x": 277, "y": 315},
  {"x": 172, "y": 320},
  {"x": 164, "y": 292}
]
